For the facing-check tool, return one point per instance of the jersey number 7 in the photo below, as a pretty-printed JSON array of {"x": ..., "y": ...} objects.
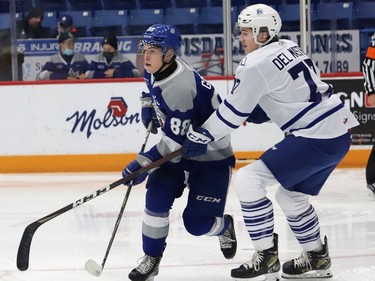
[{"x": 306, "y": 66}]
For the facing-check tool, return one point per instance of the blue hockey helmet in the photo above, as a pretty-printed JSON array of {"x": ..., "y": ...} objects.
[{"x": 162, "y": 35}]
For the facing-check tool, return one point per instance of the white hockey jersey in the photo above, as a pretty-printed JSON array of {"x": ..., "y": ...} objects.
[{"x": 287, "y": 86}]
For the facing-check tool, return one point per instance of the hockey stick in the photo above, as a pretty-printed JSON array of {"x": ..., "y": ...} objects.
[
  {"x": 92, "y": 266},
  {"x": 23, "y": 254}
]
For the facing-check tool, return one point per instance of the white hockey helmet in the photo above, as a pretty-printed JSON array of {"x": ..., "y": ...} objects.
[{"x": 257, "y": 16}]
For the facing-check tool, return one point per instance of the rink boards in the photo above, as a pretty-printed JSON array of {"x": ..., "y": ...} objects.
[{"x": 96, "y": 126}]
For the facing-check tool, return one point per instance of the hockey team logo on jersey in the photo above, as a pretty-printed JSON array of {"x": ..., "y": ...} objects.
[
  {"x": 259, "y": 11},
  {"x": 367, "y": 104},
  {"x": 118, "y": 107},
  {"x": 235, "y": 84}
]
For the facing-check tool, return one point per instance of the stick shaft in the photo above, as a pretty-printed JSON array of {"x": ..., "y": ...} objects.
[
  {"x": 123, "y": 205},
  {"x": 23, "y": 254},
  {"x": 116, "y": 225}
]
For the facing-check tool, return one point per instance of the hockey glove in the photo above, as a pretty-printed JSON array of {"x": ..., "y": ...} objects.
[
  {"x": 141, "y": 161},
  {"x": 196, "y": 142},
  {"x": 257, "y": 116},
  {"x": 148, "y": 113}
]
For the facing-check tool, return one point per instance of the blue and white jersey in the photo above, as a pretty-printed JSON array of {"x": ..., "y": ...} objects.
[
  {"x": 287, "y": 86},
  {"x": 58, "y": 68},
  {"x": 181, "y": 99},
  {"x": 123, "y": 67}
]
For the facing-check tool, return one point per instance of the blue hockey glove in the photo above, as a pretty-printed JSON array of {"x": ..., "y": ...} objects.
[
  {"x": 148, "y": 113},
  {"x": 141, "y": 161},
  {"x": 196, "y": 142},
  {"x": 257, "y": 116}
]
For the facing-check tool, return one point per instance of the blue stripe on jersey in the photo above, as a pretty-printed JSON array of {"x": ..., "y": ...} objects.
[
  {"x": 299, "y": 116},
  {"x": 235, "y": 111},
  {"x": 225, "y": 121},
  {"x": 320, "y": 118}
]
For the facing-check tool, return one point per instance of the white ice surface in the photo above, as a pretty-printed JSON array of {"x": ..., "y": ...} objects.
[{"x": 61, "y": 246}]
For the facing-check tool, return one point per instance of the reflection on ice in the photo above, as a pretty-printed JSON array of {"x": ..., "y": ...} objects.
[{"x": 61, "y": 246}]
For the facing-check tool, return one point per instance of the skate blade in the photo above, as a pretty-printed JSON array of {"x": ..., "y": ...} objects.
[
  {"x": 267, "y": 277},
  {"x": 311, "y": 275}
]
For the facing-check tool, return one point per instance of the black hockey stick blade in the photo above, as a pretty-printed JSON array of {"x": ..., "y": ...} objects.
[{"x": 23, "y": 254}]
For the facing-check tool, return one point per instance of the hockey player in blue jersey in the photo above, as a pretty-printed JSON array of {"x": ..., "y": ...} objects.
[
  {"x": 67, "y": 64},
  {"x": 110, "y": 63},
  {"x": 285, "y": 83},
  {"x": 180, "y": 97}
]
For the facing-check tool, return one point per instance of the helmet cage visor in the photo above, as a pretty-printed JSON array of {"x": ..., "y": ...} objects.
[{"x": 145, "y": 44}]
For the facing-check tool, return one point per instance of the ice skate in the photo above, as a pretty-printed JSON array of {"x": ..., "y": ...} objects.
[
  {"x": 371, "y": 187},
  {"x": 310, "y": 265},
  {"x": 146, "y": 270},
  {"x": 228, "y": 241},
  {"x": 263, "y": 263}
]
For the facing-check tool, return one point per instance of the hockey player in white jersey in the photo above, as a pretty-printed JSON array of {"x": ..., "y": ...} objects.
[{"x": 278, "y": 77}]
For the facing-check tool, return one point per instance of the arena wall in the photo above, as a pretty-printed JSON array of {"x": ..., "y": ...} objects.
[{"x": 68, "y": 127}]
